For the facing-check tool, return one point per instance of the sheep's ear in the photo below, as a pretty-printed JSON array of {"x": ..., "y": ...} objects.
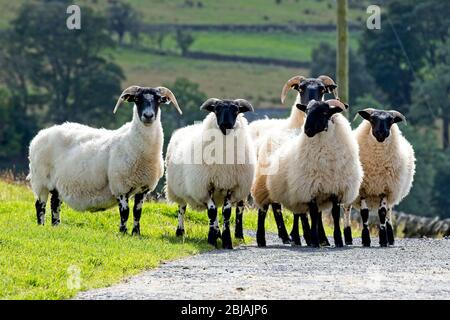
[
  {"x": 301, "y": 107},
  {"x": 398, "y": 117},
  {"x": 209, "y": 105},
  {"x": 366, "y": 113},
  {"x": 244, "y": 105}
]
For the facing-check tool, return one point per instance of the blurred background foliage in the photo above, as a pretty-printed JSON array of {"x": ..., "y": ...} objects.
[{"x": 226, "y": 49}]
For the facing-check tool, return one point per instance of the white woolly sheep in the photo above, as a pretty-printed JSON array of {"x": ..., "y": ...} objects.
[
  {"x": 92, "y": 169},
  {"x": 389, "y": 165},
  {"x": 271, "y": 133},
  {"x": 317, "y": 169},
  {"x": 212, "y": 162}
]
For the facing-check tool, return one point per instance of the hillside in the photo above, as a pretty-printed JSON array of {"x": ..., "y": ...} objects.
[{"x": 221, "y": 52}]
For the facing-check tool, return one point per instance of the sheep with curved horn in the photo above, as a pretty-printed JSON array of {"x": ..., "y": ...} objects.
[{"x": 94, "y": 169}]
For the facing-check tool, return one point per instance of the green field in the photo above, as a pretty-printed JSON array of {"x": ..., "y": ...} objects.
[
  {"x": 38, "y": 262},
  {"x": 276, "y": 45},
  {"x": 261, "y": 84},
  {"x": 221, "y": 12},
  {"x": 258, "y": 83}
]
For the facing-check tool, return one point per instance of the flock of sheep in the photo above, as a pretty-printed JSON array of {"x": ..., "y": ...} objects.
[{"x": 307, "y": 163}]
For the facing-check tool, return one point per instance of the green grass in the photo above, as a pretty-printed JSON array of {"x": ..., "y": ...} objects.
[
  {"x": 219, "y": 12},
  {"x": 260, "y": 84},
  {"x": 38, "y": 262},
  {"x": 276, "y": 45}
]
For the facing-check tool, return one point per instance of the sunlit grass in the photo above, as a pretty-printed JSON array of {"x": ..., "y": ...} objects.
[{"x": 40, "y": 262}]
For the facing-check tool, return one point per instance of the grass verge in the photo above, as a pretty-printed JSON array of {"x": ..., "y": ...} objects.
[{"x": 86, "y": 251}]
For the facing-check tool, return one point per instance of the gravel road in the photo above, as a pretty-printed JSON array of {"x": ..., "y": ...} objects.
[{"x": 412, "y": 269}]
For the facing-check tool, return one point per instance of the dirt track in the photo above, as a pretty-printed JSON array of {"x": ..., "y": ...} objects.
[{"x": 412, "y": 269}]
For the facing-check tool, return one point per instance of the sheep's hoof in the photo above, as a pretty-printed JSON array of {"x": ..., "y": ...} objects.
[
  {"x": 325, "y": 243},
  {"x": 390, "y": 234},
  {"x": 338, "y": 243},
  {"x": 348, "y": 236},
  {"x": 123, "y": 229},
  {"x": 226, "y": 239},
  {"x": 238, "y": 234},
  {"x": 260, "y": 239},
  {"x": 179, "y": 232},
  {"x": 383, "y": 237},
  {"x": 56, "y": 223},
  {"x": 365, "y": 237},
  {"x": 213, "y": 235},
  {"x": 136, "y": 231},
  {"x": 295, "y": 238},
  {"x": 307, "y": 240}
]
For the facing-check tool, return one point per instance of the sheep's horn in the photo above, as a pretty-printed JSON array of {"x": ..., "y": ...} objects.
[
  {"x": 327, "y": 81},
  {"x": 289, "y": 85},
  {"x": 169, "y": 94},
  {"x": 245, "y": 103},
  {"x": 397, "y": 115},
  {"x": 208, "y": 103},
  {"x": 126, "y": 95},
  {"x": 337, "y": 103}
]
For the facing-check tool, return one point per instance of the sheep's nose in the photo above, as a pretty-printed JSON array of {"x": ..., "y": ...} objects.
[{"x": 148, "y": 116}]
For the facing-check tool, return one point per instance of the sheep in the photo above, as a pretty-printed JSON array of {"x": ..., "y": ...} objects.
[
  {"x": 277, "y": 131},
  {"x": 92, "y": 169},
  {"x": 196, "y": 178},
  {"x": 315, "y": 170},
  {"x": 308, "y": 89},
  {"x": 389, "y": 165}
]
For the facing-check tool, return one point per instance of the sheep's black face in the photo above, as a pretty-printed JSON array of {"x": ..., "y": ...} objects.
[
  {"x": 313, "y": 89},
  {"x": 147, "y": 101},
  {"x": 226, "y": 111},
  {"x": 318, "y": 113},
  {"x": 381, "y": 121}
]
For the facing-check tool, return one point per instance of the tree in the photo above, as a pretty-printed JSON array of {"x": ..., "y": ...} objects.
[
  {"x": 361, "y": 83},
  {"x": 10, "y": 134},
  {"x": 54, "y": 74},
  {"x": 190, "y": 98},
  {"x": 122, "y": 19},
  {"x": 184, "y": 41},
  {"x": 396, "y": 53},
  {"x": 431, "y": 95}
]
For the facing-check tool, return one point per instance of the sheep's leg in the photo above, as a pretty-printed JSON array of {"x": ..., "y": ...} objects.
[
  {"x": 238, "y": 231},
  {"x": 382, "y": 211},
  {"x": 295, "y": 235},
  {"x": 347, "y": 226},
  {"x": 282, "y": 232},
  {"x": 137, "y": 211},
  {"x": 214, "y": 231},
  {"x": 261, "y": 232},
  {"x": 124, "y": 210},
  {"x": 322, "y": 235},
  {"x": 55, "y": 204},
  {"x": 315, "y": 217},
  {"x": 389, "y": 228},
  {"x": 181, "y": 213},
  {"x": 365, "y": 235},
  {"x": 306, "y": 228},
  {"x": 336, "y": 213},
  {"x": 226, "y": 213},
  {"x": 40, "y": 210}
]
